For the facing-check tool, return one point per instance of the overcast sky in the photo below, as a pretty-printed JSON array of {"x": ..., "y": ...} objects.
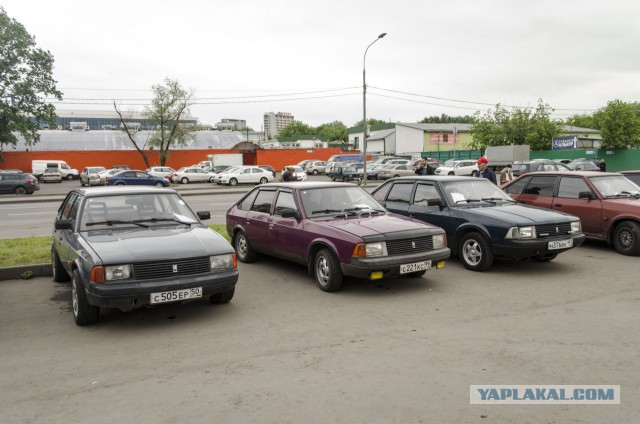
[{"x": 245, "y": 58}]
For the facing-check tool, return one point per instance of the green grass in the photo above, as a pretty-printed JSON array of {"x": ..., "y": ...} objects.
[{"x": 37, "y": 250}]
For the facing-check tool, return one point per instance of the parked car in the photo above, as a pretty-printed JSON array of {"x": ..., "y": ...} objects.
[
  {"x": 458, "y": 167},
  {"x": 298, "y": 172},
  {"x": 373, "y": 170},
  {"x": 607, "y": 203},
  {"x": 303, "y": 163},
  {"x": 89, "y": 176},
  {"x": 634, "y": 176},
  {"x": 160, "y": 171},
  {"x": 481, "y": 221},
  {"x": 102, "y": 176},
  {"x": 121, "y": 167},
  {"x": 335, "y": 230},
  {"x": 268, "y": 168},
  {"x": 136, "y": 178},
  {"x": 245, "y": 175},
  {"x": 129, "y": 247},
  {"x": 192, "y": 175},
  {"x": 341, "y": 171},
  {"x": 315, "y": 167},
  {"x": 583, "y": 166},
  {"x": 19, "y": 183},
  {"x": 52, "y": 175},
  {"x": 520, "y": 168},
  {"x": 394, "y": 171}
]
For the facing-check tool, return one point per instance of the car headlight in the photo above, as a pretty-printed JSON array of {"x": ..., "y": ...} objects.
[
  {"x": 376, "y": 249},
  {"x": 222, "y": 262},
  {"x": 576, "y": 227},
  {"x": 117, "y": 272},
  {"x": 439, "y": 241},
  {"x": 521, "y": 233}
]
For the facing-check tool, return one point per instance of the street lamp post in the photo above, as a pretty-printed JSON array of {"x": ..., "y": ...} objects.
[{"x": 364, "y": 110}]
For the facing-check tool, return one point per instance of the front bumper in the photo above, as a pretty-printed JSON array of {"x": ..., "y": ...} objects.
[
  {"x": 531, "y": 249},
  {"x": 136, "y": 294},
  {"x": 390, "y": 265}
]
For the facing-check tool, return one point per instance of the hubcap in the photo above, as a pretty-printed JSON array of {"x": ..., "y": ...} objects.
[
  {"x": 625, "y": 238},
  {"x": 74, "y": 297},
  {"x": 242, "y": 247},
  {"x": 322, "y": 270},
  {"x": 472, "y": 252}
]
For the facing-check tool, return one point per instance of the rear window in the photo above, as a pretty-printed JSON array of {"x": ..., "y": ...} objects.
[
  {"x": 401, "y": 193},
  {"x": 541, "y": 186},
  {"x": 263, "y": 201}
]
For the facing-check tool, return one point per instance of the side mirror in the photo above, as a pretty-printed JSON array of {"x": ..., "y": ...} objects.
[
  {"x": 63, "y": 224},
  {"x": 436, "y": 202},
  {"x": 586, "y": 195},
  {"x": 290, "y": 213},
  {"x": 204, "y": 214}
]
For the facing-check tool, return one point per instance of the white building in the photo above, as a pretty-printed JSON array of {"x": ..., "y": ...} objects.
[{"x": 276, "y": 121}]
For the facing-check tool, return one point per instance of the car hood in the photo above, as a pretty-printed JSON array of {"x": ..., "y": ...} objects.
[
  {"x": 367, "y": 227},
  {"x": 519, "y": 214},
  {"x": 630, "y": 203},
  {"x": 140, "y": 245}
]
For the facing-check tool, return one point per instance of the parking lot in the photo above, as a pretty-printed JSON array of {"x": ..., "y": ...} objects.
[{"x": 401, "y": 351}]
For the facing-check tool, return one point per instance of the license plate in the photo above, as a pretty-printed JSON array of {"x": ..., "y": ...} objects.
[
  {"x": 562, "y": 244},
  {"x": 176, "y": 295},
  {"x": 414, "y": 267}
]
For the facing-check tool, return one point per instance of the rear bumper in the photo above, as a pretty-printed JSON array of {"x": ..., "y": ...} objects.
[
  {"x": 390, "y": 265},
  {"x": 531, "y": 249}
]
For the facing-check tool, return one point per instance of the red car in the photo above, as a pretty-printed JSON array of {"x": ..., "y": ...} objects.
[{"x": 607, "y": 203}]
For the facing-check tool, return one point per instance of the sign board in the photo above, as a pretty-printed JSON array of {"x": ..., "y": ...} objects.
[{"x": 568, "y": 142}]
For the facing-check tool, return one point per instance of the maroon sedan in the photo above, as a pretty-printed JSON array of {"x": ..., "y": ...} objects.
[
  {"x": 334, "y": 229},
  {"x": 607, "y": 203}
]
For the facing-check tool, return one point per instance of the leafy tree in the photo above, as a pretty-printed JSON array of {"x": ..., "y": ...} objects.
[
  {"x": 333, "y": 131},
  {"x": 25, "y": 81},
  {"x": 371, "y": 122},
  {"x": 446, "y": 119},
  {"x": 519, "y": 126},
  {"x": 132, "y": 133},
  {"x": 620, "y": 125},
  {"x": 584, "y": 121},
  {"x": 296, "y": 129}
]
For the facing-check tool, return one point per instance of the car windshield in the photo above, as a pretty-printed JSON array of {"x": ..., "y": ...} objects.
[
  {"x": 142, "y": 210},
  {"x": 231, "y": 170},
  {"x": 615, "y": 186},
  {"x": 520, "y": 167},
  {"x": 451, "y": 163},
  {"x": 332, "y": 201},
  {"x": 474, "y": 191}
]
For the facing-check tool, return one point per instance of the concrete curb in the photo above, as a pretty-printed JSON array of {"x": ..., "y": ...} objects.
[{"x": 14, "y": 272}]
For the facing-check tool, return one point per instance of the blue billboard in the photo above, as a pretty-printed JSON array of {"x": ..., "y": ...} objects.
[{"x": 567, "y": 142}]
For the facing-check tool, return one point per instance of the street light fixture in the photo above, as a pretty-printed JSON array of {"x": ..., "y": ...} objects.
[{"x": 364, "y": 110}]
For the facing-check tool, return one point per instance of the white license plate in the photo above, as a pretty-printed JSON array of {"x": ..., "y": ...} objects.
[
  {"x": 414, "y": 267},
  {"x": 176, "y": 295},
  {"x": 562, "y": 244}
]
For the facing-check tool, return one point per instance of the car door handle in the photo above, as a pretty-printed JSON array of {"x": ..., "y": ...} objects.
[{"x": 558, "y": 205}]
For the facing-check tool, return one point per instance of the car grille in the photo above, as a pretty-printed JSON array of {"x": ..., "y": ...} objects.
[
  {"x": 552, "y": 230},
  {"x": 402, "y": 247},
  {"x": 171, "y": 268}
]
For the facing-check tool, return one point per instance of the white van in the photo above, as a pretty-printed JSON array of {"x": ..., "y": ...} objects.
[{"x": 67, "y": 172}]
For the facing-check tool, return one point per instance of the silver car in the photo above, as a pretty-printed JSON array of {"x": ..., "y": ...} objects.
[{"x": 89, "y": 176}]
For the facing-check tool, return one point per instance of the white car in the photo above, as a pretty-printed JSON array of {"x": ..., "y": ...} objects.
[
  {"x": 102, "y": 176},
  {"x": 315, "y": 167},
  {"x": 192, "y": 175},
  {"x": 458, "y": 167},
  {"x": 298, "y": 172},
  {"x": 89, "y": 176},
  {"x": 160, "y": 171},
  {"x": 245, "y": 175}
]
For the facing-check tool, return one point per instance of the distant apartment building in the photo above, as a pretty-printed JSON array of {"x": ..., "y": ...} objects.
[
  {"x": 276, "y": 121},
  {"x": 231, "y": 124}
]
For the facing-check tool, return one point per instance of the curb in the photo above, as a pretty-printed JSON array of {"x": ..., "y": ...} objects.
[{"x": 14, "y": 272}]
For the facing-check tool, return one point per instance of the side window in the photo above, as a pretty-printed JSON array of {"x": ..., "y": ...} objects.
[
  {"x": 541, "y": 186},
  {"x": 382, "y": 192},
  {"x": 142, "y": 175},
  {"x": 516, "y": 187},
  {"x": 570, "y": 187},
  {"x": 73, "y": 213},
  {"x": 401, "y": 193},
  {"x": 256, "y": 171},
  {"x": 65, "y": 208},
  {"x": 285, "y": 201},
  {"x": 263, "y": 201},
  {"x": 246, "y": 203},
  {"x": 424, "y": 193}
]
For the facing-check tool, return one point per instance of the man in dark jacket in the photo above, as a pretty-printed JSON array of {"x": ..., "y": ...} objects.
[
  {"x": 288, "y": 175},
  {"x": 485, "y": 171},
  {"x": 424, "y": 168}
]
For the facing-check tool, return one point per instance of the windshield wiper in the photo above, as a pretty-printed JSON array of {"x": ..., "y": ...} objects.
[
  {"x": 326, "y": 211},
  {"x": 469, "y": 201},
  {"x": 138, "y": 221},
  {"x": 115, "y": 221},
  {"x": 496, "y": 199},
  {"x": 361, "y": 210}
]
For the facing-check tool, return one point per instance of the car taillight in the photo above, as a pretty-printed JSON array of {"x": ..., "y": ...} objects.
[
  {"x": 108, "y": 179},
  {"x": 29, "y": 180}
]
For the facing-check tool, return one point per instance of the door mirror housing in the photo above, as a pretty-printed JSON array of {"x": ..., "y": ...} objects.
[
  {"x": 204, "y": 214},
  {"x": 586, "y": 195},
  {"x": 64, "y": 224},
  {"x": 290, "y": 213}
]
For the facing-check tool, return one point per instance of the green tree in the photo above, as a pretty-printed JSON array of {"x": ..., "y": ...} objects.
[
  {"x": 584, "y": 121},
  {"x": 519, "y": 126},
  {"x": 333, "y": 131},
  {"x": 25, "y": 81},
  {"x": 620, "y": 125},
  {"x": 446, "y": 119},
  {"x": 296, "y": 129}
]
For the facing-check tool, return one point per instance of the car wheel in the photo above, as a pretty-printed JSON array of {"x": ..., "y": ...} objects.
[
  {"x": 233, "y": 182},
  {"x": 224, "y": 297},
  {"x": 474, "y": 173},
  {"x": 83, "y": 312},
  {"x": 327, "y": 271},
  {"x": 120, "y": 183},
  {"x": 159, "y": 184},
  {"x": 315, "y": 172},
  {"x": 475, "y": 252},
  {"x": 416, "y": 274},
  {"x": 59, "y": 274},
  {"x": 184, "y": 180},
  {"x": 626, "y": 238},
  {"x": 263, "y": 180},
  {"x": 451, "y": 173},
  {"x": 243, "y": 248},
  {"x": 69, "y": 177},
  {"x": 20, "y": 191},
  {"x": 211, "y": 179},
  {"x": 396, "y": 176}
]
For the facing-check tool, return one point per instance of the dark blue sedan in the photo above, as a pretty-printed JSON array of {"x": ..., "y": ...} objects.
[
  {"x": 131, "y": 177},
  {"x": 480, "y": 220}
]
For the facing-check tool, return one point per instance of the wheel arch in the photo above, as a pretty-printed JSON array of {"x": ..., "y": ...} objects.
[
  {"x": 314, "y": 248},
  {"x": 615, "y": 222},
  {"x": 465, "y": 229}
]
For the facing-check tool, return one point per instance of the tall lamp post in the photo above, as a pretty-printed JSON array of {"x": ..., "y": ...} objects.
[{"x": 364, "y": 110}]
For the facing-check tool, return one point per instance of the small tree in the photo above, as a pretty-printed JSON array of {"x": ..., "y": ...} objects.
[
  {"x": 25, "y": 80},
  {"x": 333, "y": 131},
  {"x": 131, "y": 134},
  {"x": 295, "y": 129},
  {"x": 620, "y": 125}
]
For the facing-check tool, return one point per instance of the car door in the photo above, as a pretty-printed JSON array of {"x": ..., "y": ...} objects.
[
  {"x": 399, "y": 197},
  {"x": 539, "y": 191},
  {"x": 258, "y": 219},
  {"x": 424, "y": 206},
  {"x": 588, "y": 210},
  {"x": 285, "y": 235},
  {"x": 63, "y": 239},
  {"x": 244, "y": 176},
  {"x": 142, "y": 178}
]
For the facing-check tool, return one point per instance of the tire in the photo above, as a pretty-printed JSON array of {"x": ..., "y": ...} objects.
[
  {"x": 244, "y": 251},
  {"x": 326, "y": 271},
  {"x": 475, "y": 252},
  {"x": 211, "y": 180},
  {"x": 20, "y": 191},
  {"x": 83, "y": 312},
  {"x": 474, "y": 173},
  {"x": 59, "y": 274},
  {"x": 158, "y": 184},
  {"x": 224, "y": 297},
  {"x": 263, "y": 180},
  {"x": 233, "y": 182},
  {"x": 315, "y": 172},
  {"x": 120, "y": 183},
  {"x": 184, "y": 180},
  {"x": 396, "y": 176},
  {"x": 69, "y": 177},
  {"x": 416, "y": 274},
  {"x": 626, "y": 238},
  {"x": 451, "y": 173}
]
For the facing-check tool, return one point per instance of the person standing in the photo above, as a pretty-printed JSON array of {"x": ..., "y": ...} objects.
[
  {"x": 485, "y": 171},
  {"x": 603, "y": 166},
  {"x": 424, "y": 168},
  {"x": 288, "y": 175},
  {"x": 506, "y": 174}
]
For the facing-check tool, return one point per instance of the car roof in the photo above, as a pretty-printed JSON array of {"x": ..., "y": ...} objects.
[
  {"x": 116, "y": 190},
  {"x": 438, "y": 178},
  {"x": 632, "y": 171},
  {"x": 301, "y": 185},
  {"x": 570, "y": 173}
]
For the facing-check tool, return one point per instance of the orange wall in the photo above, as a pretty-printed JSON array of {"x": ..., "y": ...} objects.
[{"x": 278, "y": 158}]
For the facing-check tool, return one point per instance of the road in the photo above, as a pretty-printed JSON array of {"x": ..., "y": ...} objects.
[{"x": 396, "y": 351}]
